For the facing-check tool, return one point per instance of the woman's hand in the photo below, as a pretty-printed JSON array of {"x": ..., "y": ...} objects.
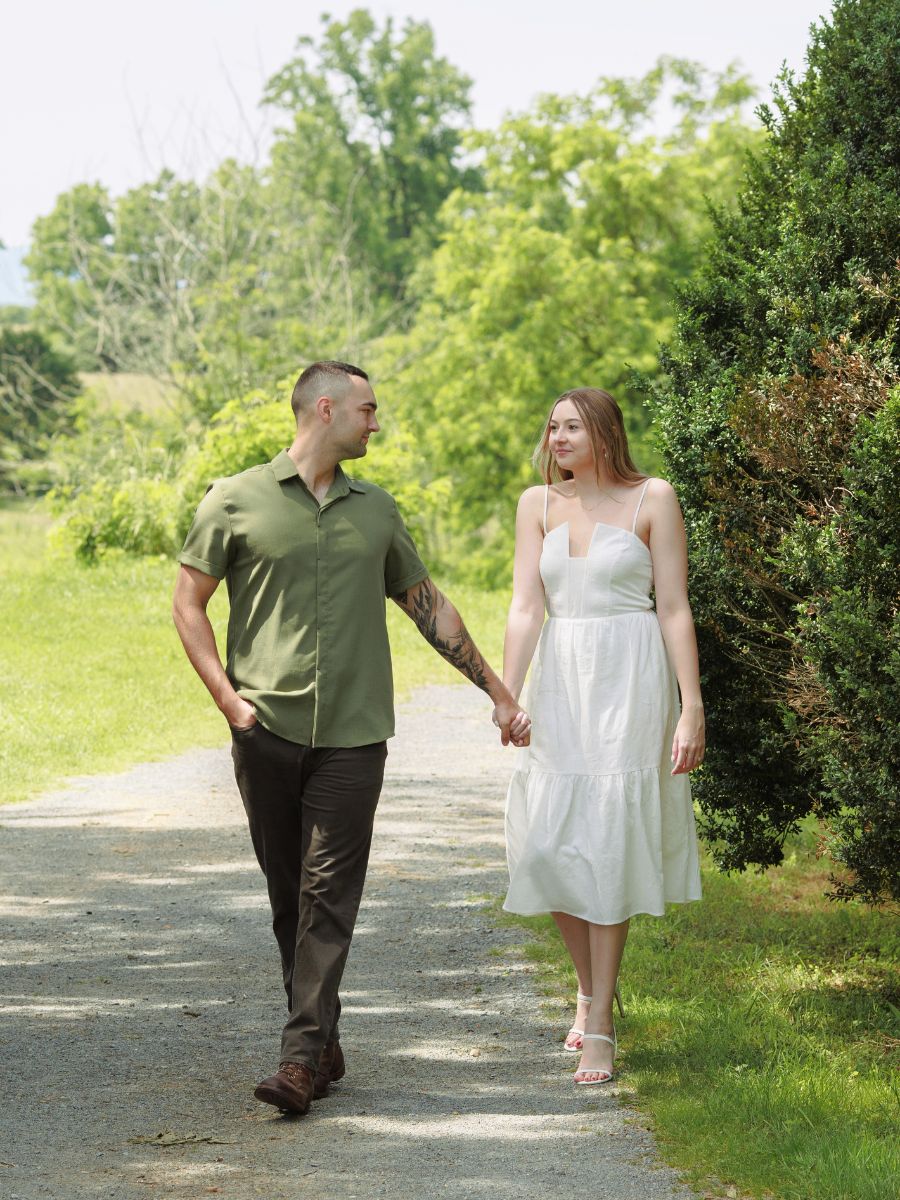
[
  {"x": 519, "y": 727},
  {"x": 689, "y": 743}
]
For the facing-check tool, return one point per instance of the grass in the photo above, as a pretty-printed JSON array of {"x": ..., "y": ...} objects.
[
  {"x": 94, "y": 677},
  {"x": 762, "y": 1035},
  {"x": 762, "y": 1025}
]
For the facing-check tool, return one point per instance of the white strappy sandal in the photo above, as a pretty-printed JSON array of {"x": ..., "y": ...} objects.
[
  {"x": 606, "y": 1076},
  {"x": 576, "y": 1048}
]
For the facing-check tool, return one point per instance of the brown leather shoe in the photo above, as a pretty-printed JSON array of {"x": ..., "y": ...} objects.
[
  {"x": 331, "y": 1068},
  {"x": 290, "y": 1089}
]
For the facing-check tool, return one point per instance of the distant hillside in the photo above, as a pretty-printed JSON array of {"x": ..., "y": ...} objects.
[{"x": 14, "y": 285}]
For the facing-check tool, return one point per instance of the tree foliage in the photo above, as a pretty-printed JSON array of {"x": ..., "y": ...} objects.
[
  {"x": 374, "y": 141},
  {"x": 227, "y": 285},
  {"x": 560, "y": 273},
  {"x": 143, "y": 283},
  {"x": 37, "y": 386},
  {"x": 779, "y": 431},
  {"x": 532, "y": 256}
]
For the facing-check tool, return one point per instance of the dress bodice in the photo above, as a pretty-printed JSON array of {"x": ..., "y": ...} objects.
[{"x": 614, "y": 577}]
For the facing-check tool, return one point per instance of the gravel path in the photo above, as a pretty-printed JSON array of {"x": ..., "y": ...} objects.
[{"x": 141, "y": 1000}]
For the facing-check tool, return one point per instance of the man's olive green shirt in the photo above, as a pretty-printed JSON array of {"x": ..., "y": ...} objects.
[{"x": 307, "y": 633}]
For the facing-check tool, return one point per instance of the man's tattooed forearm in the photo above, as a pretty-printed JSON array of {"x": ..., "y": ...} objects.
[{"x": 458, "y": 648}]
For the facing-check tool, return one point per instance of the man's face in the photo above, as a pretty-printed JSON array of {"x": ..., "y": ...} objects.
[{"x": 354, "y": 422}]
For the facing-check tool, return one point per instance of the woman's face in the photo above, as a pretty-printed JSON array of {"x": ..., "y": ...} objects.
[{"x": 569, "y": 441}]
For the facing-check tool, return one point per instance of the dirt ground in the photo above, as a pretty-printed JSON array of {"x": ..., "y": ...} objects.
[{"x": 141, "y": 1000}]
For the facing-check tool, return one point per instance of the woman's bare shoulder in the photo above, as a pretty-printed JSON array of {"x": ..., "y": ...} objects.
[
  {"x": 532, "y": 498},
  {"x": 660, "y": 489}
]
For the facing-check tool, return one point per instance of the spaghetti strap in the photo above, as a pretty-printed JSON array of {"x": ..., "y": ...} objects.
[
  {"x": 639, "y": 503},
  {"x": 546, "y": 502}
]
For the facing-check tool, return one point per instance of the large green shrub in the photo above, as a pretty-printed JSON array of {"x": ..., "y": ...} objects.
[
  {"x": 111, "y": 476},
  {"x": 779, "y": 432},
  {"x": 134, "y": 516}
]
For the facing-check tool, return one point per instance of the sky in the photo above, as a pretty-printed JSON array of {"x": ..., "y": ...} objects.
[{"x": 112, "y": 92}]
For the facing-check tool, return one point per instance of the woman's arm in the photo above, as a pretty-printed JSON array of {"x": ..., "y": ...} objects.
[
  {"x": 668, "y": 549},
  {"x": 526, "y": 611}
]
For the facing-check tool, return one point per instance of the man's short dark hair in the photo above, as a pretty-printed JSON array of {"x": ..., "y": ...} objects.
[{"x": 316, "y": 379}]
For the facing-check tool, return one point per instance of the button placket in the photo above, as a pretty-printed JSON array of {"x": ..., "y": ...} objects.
[
  {"x": 317, "y": 691},
  {"x": 322, "y": 612}
]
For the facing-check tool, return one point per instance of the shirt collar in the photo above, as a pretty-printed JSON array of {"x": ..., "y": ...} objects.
[{"x": 284, "y": 467}]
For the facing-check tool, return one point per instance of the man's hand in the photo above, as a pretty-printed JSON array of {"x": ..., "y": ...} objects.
[
  {"x": 240, "y": 714},
  {"x": 514, "y": 724},
  {"x": 442, "y": 626}
]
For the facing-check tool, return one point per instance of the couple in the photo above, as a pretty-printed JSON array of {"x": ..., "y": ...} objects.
[{"x": 598, "y": 826}]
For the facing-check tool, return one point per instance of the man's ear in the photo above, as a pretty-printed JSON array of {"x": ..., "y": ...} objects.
[{"x": 325, "y": 409}]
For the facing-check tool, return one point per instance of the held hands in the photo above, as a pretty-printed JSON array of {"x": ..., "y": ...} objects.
[
  {"x": 514, "y": 724},
  {"x": 689, "y": 743}
]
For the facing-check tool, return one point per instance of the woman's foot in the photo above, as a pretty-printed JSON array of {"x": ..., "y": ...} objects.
[
  {"x": 597, "y": 1055},
  {"x": 573, "y": 1037}
]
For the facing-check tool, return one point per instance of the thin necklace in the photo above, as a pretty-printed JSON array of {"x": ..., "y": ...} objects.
[{"x": 591, "y": 507}]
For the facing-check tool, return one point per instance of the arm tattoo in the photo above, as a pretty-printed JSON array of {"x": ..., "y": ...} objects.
[{"x": 458, "y": 648}]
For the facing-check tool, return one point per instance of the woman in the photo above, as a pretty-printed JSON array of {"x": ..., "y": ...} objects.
[{"x": 599, "y": 821}]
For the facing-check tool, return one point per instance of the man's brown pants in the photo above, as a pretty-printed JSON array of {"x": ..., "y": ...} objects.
[{"x": 311, "y": 813}]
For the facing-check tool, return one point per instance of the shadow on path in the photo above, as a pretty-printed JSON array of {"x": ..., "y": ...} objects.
[{"x": 140, "y": 1000}]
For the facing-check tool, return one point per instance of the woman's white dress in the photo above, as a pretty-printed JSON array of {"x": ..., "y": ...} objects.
[{"x": 596, "y": 826}]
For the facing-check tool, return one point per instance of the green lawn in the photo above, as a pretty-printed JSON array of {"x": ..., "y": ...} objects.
[
  {"x": 94, "y": 677},
  {"x": 761, "y": 1034}
]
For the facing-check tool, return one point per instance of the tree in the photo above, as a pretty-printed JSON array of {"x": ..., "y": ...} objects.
[
  {"x": 561, "y": 273},
  {"x": 779, "y": 432},
  {"x": 69, "y": 264},
  {"x": 226, "y": 285},
  {"x": 121, "y": 281},
  {"x": 375, "y": 140},
  {"x": 37, "y": 385}
]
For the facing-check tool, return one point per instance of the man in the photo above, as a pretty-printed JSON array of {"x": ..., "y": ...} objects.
[{"x": 309, "y": 556}]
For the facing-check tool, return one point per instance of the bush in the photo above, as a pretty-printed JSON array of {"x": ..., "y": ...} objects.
[
  {"x": 851, "y": 644},
  {"x": 135, "y": 516},
  {"x": 112, "y": 479},
  {"x": 777, "y": 431},
  {"x": 127, "y": 481}
]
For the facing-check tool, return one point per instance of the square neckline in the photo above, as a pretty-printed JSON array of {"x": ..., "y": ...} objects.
[{"x": 605, "y": 525}]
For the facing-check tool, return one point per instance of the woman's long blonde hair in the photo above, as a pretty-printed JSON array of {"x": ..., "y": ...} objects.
[{"x": 603, "y": 420}]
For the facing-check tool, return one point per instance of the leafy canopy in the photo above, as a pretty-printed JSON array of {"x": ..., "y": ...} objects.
[{"x": 560, "y": 273}]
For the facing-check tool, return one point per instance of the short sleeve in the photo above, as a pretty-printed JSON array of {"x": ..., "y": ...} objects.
[
  {"x": 208, "y": 545},
  {"x": 402, "y": 567}
]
